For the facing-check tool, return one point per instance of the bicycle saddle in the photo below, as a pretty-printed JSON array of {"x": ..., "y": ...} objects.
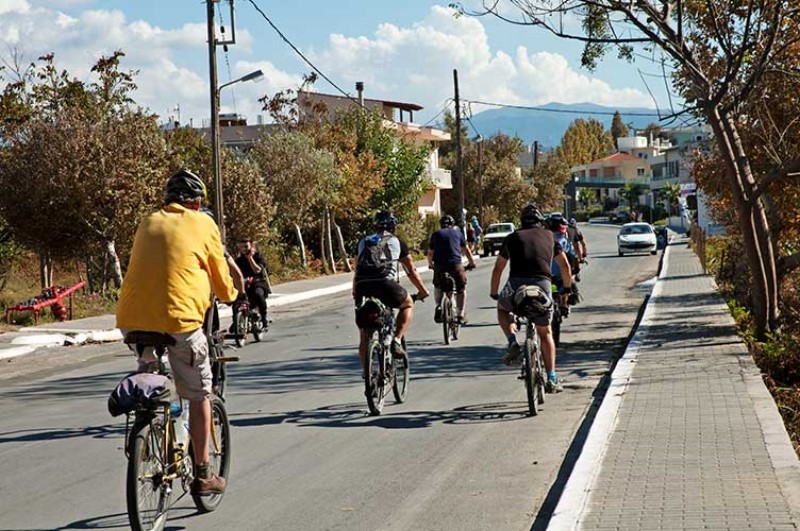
[{"x": 149, "y": 339}]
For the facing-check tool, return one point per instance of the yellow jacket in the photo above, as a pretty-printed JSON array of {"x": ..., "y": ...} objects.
[{"x": 176, "y": 252}]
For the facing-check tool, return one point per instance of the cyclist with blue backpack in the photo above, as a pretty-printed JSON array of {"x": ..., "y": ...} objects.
[{"x": 377, "y": 275}]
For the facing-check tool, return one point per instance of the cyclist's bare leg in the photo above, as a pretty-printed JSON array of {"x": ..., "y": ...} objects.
[
  {"x": 405, "y": 314},
  {"x": 200, "y": 429},
  {"x": 548, "y": 346},
  {"x": 437, "y": 296},
  {"x": 507, "y": 323},
  {"x": 461, "y": 301}
]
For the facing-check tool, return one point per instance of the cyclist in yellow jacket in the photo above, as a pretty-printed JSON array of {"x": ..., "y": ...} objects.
[{"x": 177, "y": 259}]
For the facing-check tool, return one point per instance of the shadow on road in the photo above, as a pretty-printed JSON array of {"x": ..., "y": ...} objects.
[
  {"x": 53, "y": 434},
  {"x": 355, "y": 415}
]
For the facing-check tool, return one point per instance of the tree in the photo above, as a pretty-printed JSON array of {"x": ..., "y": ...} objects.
[
  {"x": 82, "y": 164},
  {"x": 720, "y": 53},
  {"x": 618, "y": 127},
  {"x": 671, "y": 192},
  {"x": 585, "y": 141}
]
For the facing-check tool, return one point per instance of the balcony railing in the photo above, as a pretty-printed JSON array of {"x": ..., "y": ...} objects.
[
  {"x": 441, "y": 178},
  {"x": 613, "y": 179}
]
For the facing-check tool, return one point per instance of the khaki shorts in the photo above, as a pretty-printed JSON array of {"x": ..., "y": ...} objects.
[{"x": 189, "y": 362}]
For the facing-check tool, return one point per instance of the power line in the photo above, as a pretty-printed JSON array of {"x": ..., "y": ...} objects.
[
  {"x": 299, "y": 53},
  {"x": 446, "y": 104},
  {"x": 563, "y": 111},
  {"x": 469, "y": 120}
]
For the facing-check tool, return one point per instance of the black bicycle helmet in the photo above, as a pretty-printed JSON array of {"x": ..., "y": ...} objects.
[
  {"x": 555, "y": 222},
  {"x": 447, "y": 221},
  {"x": 530, "y": 216},
  {"x": 385, "y": 220},
  {"x": 573, "y": 222},
  {"x": 185, "y": 186}
]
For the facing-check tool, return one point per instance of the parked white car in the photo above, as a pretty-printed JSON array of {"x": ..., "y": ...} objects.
[
  {"x": 636, "y": 238},
  {"x": 494, "y": 235}
]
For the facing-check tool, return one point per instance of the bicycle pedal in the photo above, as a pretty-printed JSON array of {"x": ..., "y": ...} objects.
[{"x": 226, "y": 359}]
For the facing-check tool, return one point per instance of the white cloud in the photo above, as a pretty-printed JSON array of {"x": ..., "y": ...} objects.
[
  {"x": 416, "y": 63},
  {"x": 79, "y": 40},
  {"x": 400, "y": 63}
]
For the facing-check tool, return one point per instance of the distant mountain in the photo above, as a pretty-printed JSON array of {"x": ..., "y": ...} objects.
[{"x": 547, "y": 126}]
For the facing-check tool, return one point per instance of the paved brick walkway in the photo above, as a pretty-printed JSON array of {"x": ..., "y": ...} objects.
[{"x": 696, "y": 444}]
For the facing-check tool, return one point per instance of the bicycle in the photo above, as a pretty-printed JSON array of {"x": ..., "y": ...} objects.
[
  {"x": 528, "y": 305},
  {"x": 159, "y": 450},
  {"x": 246, "y": 319},
  {"x": 450, "y": 322},
  {"x": 216, "y": 342},
  {"x": 383, "y": 369},
  {"x": 561, "y": 311}
]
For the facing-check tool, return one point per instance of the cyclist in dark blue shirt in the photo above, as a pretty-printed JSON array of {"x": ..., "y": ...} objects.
[{"x": 444, "y": 256}]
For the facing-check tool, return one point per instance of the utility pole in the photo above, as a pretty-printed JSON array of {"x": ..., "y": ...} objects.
[
  {"x": 480, "y": 180},
  {"x": 216, "y": 167},
  {"x": 459, "y": 158}
]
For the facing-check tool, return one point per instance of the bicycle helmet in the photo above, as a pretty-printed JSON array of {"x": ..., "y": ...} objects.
[
  {"x": 573, "y": 222},
  {"x": 447, "y": 221},
  {"x": 530, "y": 216},
  {"x": 385, "y": 220},
  {"x": 185, "y": 186},
  {"x": 555, "y": 222}
]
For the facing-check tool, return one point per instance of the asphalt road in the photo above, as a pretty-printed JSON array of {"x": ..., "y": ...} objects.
[{"x": 459, "y": 454}]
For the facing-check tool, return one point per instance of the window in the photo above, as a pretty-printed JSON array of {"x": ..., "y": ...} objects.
[{"x": 640, "y": 172}]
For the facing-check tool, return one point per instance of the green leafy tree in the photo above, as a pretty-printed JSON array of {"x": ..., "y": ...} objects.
[{"x": 720, "y": 55}]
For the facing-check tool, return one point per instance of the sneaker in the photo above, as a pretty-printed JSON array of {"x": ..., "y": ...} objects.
[
  {"x": 437, "y": 314},
  {"x": 208, "y": 487},
  {"x": 265, "y": 322},
  {"x": 513, "y": 353},
  {"x": 397, "y": 350},
  {"x": 553, "y": 386}
]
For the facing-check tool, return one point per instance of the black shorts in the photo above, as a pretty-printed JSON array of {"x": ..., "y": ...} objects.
[
  {"x": 456, "y": 271},
  {"x": 386, "y": 290}
]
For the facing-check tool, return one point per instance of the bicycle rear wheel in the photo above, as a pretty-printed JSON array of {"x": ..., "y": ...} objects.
[
  {"x": 402, "y": 372},
  {"x": 219, "y": 453},
  {"x": 374, "y": 381},
  {"x": 147, "y": 495},
  {"x": 528, "y": 375},
  {"x": 447, "y": 315}
]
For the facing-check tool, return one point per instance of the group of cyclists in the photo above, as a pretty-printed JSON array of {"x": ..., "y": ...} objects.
[{"x": 178, "y": 259}]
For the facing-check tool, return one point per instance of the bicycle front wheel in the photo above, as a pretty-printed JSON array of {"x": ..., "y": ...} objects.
[
  {"x": 447, "y": 315},
  {"x": 219, "y": 453},
  {"x": 402, "y": 372},
  {"x": 241, "y": 326},
  {"x": 374, "y": 381},
  {"x": 556, "y": 325},
  {"x": 528, "y": 375},
  {"x": 146, "y": 494}
]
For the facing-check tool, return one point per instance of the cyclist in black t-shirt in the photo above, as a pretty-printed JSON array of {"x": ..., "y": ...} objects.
[
  {"x": 254, "y": 270},
  {"x": 530, "y": 251}
]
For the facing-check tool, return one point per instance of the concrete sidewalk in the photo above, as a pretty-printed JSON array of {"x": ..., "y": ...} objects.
[{"x": 687, "y": 436}]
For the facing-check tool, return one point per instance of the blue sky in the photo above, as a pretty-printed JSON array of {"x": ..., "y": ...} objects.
[{"x": 403, "y": 50}]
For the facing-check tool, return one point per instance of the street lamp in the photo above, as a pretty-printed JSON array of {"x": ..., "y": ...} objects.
[{"x": 215, "y": 159}]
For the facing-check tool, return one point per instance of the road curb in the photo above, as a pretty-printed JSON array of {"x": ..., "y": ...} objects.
[
  {"x": 60, "y": 336},
  {"x": 571, "y": 504}
]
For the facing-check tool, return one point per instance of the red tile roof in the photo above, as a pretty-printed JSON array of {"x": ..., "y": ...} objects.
[{"x": 616, "y": 157}]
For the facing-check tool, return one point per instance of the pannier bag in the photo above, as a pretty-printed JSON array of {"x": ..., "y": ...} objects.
[
  {"x": 531, "y": 301},
  {"x": 141, "y": 389},
  {"x": 371, "y": 314}
]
